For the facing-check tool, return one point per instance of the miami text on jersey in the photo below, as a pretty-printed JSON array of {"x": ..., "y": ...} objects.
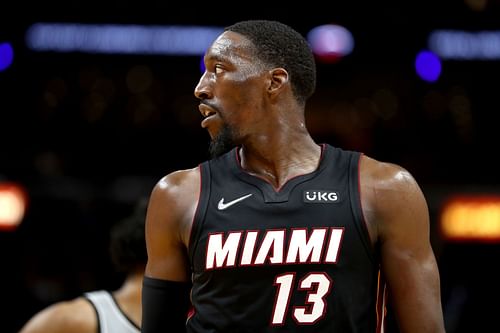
[{"x": 320, "y": 245}]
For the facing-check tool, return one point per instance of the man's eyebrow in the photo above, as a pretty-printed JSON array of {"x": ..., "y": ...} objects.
[{"x": 216, "y": 57}]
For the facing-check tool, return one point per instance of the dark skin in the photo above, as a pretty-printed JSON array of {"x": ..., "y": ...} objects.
[{"x": 259, "y": 106}]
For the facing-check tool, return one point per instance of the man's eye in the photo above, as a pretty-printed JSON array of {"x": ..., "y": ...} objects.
[{"x": 218, "y": 69}]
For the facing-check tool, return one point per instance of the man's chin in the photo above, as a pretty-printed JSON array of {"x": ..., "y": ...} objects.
[
  {"x": 223, "y": 142},
  {"x": 218, "y": 148}
]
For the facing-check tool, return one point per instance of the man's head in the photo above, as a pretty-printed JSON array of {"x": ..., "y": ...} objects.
[
  {"x": 127, "y": 244},
  {"x": 278, "y": 45},
  {"x": 254, "y": 71}
]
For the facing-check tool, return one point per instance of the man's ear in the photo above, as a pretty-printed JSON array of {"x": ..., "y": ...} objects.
[{"x": 279, "y": 77}]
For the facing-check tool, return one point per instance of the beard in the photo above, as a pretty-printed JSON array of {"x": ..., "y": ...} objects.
[{"x": 223, "y": 142}]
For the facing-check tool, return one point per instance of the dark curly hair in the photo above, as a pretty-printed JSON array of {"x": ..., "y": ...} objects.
[
  {"x": 127, "y": 241},
  {"x": 277, "y": 44}
]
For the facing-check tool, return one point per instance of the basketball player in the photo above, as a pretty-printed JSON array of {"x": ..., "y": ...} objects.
[
  {"x": 278, "y": 233},
  {"x": 102, "y": 311}
]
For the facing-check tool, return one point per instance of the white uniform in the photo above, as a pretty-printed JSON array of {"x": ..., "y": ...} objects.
[{"x": 111, "y": 318}]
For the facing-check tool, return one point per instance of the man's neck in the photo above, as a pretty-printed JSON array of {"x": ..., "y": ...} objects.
[{"x": 280, "y": 160}]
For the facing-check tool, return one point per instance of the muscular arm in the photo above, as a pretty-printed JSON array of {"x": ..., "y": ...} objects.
[
  {"x": 166, "y": 287},
  {"x": 398, "y": 219},
  {"x": 76, "y": 316},
  {"x": 170, "y": 212}
]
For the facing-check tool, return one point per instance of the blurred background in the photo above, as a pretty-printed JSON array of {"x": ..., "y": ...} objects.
[{"x": 96, "y": 104}]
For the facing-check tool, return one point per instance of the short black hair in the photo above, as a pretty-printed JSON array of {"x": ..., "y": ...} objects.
[
  {"x": 128, "y": 241},
  {"x": 277, "y": 44}
]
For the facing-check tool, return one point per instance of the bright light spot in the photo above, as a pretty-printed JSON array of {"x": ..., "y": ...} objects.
[
  {"x": 471, "y": 218},
  {"x": 330, "y": 42},
  {"x": 6, "y": 55},
  {"x": 464, "y": 45},
  {"x": 12, "y": 205},
  {"x": 428, "y": 66},
  {"x": 129, "y": 39}
]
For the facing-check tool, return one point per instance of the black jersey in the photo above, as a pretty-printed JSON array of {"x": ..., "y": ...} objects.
[{"x": 297, "y": 259}]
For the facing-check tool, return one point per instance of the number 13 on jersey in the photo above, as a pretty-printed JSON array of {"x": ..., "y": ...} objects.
[{"x": 317, "y": 285}]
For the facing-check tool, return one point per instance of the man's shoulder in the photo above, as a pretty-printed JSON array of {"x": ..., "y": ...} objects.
[
  {"x": 386, "y": 177},
  {"x": 180, "y": 177},
  {"x": 75, "y": 315},
  {"x": 178, "y": 185},
  {"x": 380, "y": 169}
]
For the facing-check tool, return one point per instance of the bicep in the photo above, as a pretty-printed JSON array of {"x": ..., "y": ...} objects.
[
  {"x": 167, "y": 258},
  {"x": 400, "y": 213}
]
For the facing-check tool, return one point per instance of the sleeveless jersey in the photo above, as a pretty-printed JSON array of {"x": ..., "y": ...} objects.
[
  {"x": 110, "y": 317},
  {"x": 297, "y": 259}
]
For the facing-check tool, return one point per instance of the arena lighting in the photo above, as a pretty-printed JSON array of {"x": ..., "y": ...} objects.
[
  {"x": 13, "y": 202},
  {"x": 117, "y": 39},
  {"x": 428, "y": 66},
  {"x": 465, "y": 45},
  {"x": 471, "y": 218},
  {"x": 330, "y": 42},
  {"x": 6, "y": 55}
]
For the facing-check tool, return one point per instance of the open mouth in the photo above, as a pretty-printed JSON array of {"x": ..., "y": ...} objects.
[{"x": 206, "y": 111}]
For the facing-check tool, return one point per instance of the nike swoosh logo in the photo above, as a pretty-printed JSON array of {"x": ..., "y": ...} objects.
[{"x": 222, "y": 205}]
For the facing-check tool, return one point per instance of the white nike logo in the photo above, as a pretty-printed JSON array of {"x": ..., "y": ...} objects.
[{"x": 222, "y": 205}]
